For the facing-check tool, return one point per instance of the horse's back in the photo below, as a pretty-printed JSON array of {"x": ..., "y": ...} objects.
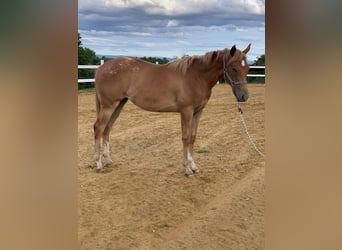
[
  {"x": 114, "y": 76},
  {"x": 124, "y": 72},
  {"x": 114, "y": 68},
  {"x": 127, "y": 69}
]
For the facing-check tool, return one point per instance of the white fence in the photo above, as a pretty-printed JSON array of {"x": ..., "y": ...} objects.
[
  {"x": 96, "y": 66},
  {"x": 88, "y": 67}
]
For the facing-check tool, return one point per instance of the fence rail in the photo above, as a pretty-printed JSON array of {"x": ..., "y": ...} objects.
[{"x": 96, "y": 66}]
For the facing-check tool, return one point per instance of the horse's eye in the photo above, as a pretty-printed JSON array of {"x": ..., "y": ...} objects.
[{"x": 234, "y": 69}]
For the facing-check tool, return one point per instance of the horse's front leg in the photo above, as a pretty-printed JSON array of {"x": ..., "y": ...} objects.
[
  {"x": 186, "y": 121},
  {"x": 194, "y": 126}
]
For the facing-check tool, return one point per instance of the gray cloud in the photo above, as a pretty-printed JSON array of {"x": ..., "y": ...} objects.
[
  {"x": 124, "y": 15},
  {"x": 180, "y": 20}
]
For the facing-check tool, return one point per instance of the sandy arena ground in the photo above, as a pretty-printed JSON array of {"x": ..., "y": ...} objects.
[{"x": 144, "y": 200}]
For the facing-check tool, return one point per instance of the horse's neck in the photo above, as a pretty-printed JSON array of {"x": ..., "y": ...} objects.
[{"x": 213, "y": 71}]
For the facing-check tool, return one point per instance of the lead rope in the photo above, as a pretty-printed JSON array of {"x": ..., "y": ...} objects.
[
  {"x": 246, "y": 130},
  {"x": 225, "y": 76}
]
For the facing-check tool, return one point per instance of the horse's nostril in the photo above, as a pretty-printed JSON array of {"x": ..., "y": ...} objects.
[{"x": 243, "y": 98}]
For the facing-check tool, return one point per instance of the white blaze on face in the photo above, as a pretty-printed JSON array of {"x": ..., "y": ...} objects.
[{"x": 243, "y": 63}]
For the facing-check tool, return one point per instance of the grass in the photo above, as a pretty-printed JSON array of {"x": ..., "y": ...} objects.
[{"x": 203, "y": 151}]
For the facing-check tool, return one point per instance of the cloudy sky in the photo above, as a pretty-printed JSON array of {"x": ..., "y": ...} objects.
[{"x": 171, "y": 28}]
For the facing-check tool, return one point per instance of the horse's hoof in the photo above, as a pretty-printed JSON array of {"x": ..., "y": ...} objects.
[
  {"x": 108, "y": 162},
  {"x": 99, "y": 170},
  {"x": 189, "y": 174},
  {"x": 195, "y": 170}
]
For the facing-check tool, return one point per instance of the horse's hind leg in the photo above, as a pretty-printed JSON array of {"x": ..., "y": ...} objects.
[
  {"x": 102, "y": 120},
  {"x": 114, "y": 116}
]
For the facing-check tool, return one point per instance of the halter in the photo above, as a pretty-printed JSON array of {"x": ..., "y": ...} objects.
[{"x": 226, "y": 75}]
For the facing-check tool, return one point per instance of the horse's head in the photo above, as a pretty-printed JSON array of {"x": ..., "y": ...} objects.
[{"x": 235, "y": 68}]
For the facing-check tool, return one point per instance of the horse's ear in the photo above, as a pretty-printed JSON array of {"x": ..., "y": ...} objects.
[
  {"x": 247, "y": 49},
  {"x": 232, "y": 50}
]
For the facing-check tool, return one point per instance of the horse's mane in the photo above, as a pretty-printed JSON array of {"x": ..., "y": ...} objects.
[
  {"x": 183, "y": 64},
  {"x": 208, "y": 58}
]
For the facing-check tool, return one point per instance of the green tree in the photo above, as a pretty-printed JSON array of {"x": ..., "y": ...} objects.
[
  {"x": 79, "y": 40},
  {"x": 155, "y": 59},
  {"x": 260, "y": 61},
  {"x": 86, "y": 56}
]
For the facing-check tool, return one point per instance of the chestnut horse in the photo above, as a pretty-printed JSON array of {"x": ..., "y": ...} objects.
[{"x": 182, "y": 86}]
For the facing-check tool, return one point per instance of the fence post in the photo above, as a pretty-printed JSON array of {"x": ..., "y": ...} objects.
[{"x": 102, "y": 61}]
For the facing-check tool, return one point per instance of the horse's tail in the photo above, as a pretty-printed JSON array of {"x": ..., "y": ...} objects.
[
  {"x": 97, "y": 101},
  {"x": 97, "y": 104}
]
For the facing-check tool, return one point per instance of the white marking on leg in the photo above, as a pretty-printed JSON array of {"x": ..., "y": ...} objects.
[
  {"x": 105, "y": 148},
  {"x": 192, "y": 163},
  {"x": 187, "y": 164},
  {"x": 106, "y": 153},
  {"x": 97, "y": 157},
  {"x": 187, "y": 167},
  {"x": 99, "y": 165},
  {"x": 189, "y": 156}
]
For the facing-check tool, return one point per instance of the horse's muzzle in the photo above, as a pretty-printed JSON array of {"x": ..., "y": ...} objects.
[
  {"x": 243, "y": 98},
  {"x": 241, "y": 95}
]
